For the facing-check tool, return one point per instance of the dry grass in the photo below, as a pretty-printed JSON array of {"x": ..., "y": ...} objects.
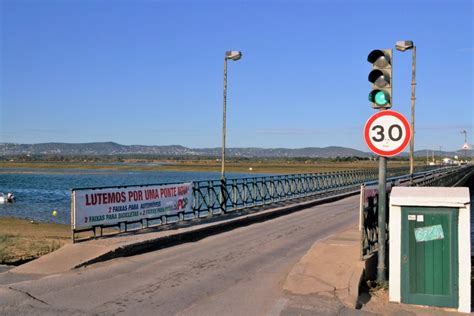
[
  {"x": 21, "y": 240},
  {"x": 254, "y": 166}
]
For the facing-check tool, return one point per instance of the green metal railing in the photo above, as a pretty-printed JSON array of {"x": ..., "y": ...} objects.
[
  {"x": 217, "y": 196},
  {"x": 446, "y": 176}
]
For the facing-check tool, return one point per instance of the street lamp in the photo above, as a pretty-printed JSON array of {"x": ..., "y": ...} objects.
[
  {"x": 403, "y": 46},
  {"x": 233, "y": 55},
  {"x": 465, "y": 146}
]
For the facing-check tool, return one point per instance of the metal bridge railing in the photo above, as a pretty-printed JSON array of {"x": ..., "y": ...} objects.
[
  {"x": 446, "y": 179},
  {"x": 446, "y": 176},
  {"x": 217, "y": 196}
]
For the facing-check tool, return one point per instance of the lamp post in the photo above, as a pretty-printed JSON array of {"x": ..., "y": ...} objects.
[
  {"x": 465, "y": 146},
  {"x": 233, "y": 55},
  {"x": 403, "y": 46}
]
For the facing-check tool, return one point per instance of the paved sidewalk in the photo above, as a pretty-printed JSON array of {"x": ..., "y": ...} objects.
[
  {"x": 331, "y": 272},
  {"x": 331, "y": 267}
]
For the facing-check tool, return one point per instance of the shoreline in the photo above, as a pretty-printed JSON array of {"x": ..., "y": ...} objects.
[{"x": 23, "y": 240}]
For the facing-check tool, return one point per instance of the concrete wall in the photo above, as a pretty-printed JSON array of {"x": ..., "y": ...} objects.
[{"x": 394, "y": 272}]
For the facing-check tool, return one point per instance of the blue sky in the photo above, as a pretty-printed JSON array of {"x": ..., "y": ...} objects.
[{"x": 151, "y": 72}]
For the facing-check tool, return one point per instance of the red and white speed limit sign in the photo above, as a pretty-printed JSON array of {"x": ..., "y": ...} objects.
[{"x": 387, "y": 133}]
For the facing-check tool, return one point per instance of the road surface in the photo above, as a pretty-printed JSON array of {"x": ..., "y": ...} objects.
[{"x": 240, "y": 272}]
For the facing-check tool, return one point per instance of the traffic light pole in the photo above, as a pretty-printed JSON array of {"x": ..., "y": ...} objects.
[
  {"x": 381, "y": 98},
  {"x": 382, "y": 219}
]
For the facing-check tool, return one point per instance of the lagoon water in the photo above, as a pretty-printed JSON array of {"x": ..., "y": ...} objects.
[{"x": 39, "y": 192}]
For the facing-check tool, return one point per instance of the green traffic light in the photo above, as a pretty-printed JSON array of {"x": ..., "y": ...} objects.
[
  {"x": 381, "y": 78},
  {"x": 380, "y": 98}
]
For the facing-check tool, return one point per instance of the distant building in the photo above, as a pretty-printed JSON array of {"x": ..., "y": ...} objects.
[{"x": 448, "y": 161}]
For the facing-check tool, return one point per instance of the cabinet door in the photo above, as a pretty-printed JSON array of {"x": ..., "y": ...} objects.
[{"x": 429, "y": 256}]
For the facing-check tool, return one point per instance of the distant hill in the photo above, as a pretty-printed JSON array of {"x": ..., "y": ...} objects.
[
  {"x": 448, "y": 154},
  {"x": 110, "y": 148},
  {"x": 310, "y": 152}
]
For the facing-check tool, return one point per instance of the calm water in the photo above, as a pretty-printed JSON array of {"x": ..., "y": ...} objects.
[{"x": 38, "y": 192}]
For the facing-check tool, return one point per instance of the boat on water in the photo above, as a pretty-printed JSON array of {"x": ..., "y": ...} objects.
[{"x": 9, "y": 198}]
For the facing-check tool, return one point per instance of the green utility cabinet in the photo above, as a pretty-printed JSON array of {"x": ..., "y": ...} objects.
[{"x": 429, "y": 261}]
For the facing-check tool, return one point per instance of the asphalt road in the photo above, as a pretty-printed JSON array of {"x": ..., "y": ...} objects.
[{"x": 240, "y": 272}]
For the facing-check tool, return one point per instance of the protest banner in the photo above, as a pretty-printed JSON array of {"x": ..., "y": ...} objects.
[{"x": 113, "y": 205}]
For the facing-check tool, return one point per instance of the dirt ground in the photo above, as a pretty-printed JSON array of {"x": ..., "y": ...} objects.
[
  {"x": 375, "y": 301},
  {"x": 25, "y": 240}
]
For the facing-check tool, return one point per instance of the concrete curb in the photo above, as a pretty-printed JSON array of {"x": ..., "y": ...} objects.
[
  {"x": 352, "y": 299},
  {"x": 330, "y": 267}
]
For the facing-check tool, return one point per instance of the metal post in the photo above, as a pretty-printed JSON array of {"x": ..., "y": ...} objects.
[
  {"x": 361, "y": 220},
  {"x": 465, "y": 149},
  {"x": 73, "y": 235},
  {"x": 224, "y": 121},
  {"x": 381, "y": 269},
  {"x": 223, "y": 180},
  {"x": 413, "y": 84},
  {"x": 465, "y": 144},
  {"x": 361, "y": 206}
]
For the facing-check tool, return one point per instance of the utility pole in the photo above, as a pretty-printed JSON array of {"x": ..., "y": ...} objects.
[
  {"x": 465, "y": 146},
  {"x": 413, "y": 84},
  {"x": 233, "y": 55},
  {"x": 404, "y": 46},
  {"x": 224, "y": 115}
]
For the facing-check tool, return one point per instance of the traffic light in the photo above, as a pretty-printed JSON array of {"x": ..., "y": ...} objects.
[{"x": 381, "y": 78}]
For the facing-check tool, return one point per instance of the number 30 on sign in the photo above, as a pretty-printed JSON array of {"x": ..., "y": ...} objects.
[{"x": 387, "y": 133}]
